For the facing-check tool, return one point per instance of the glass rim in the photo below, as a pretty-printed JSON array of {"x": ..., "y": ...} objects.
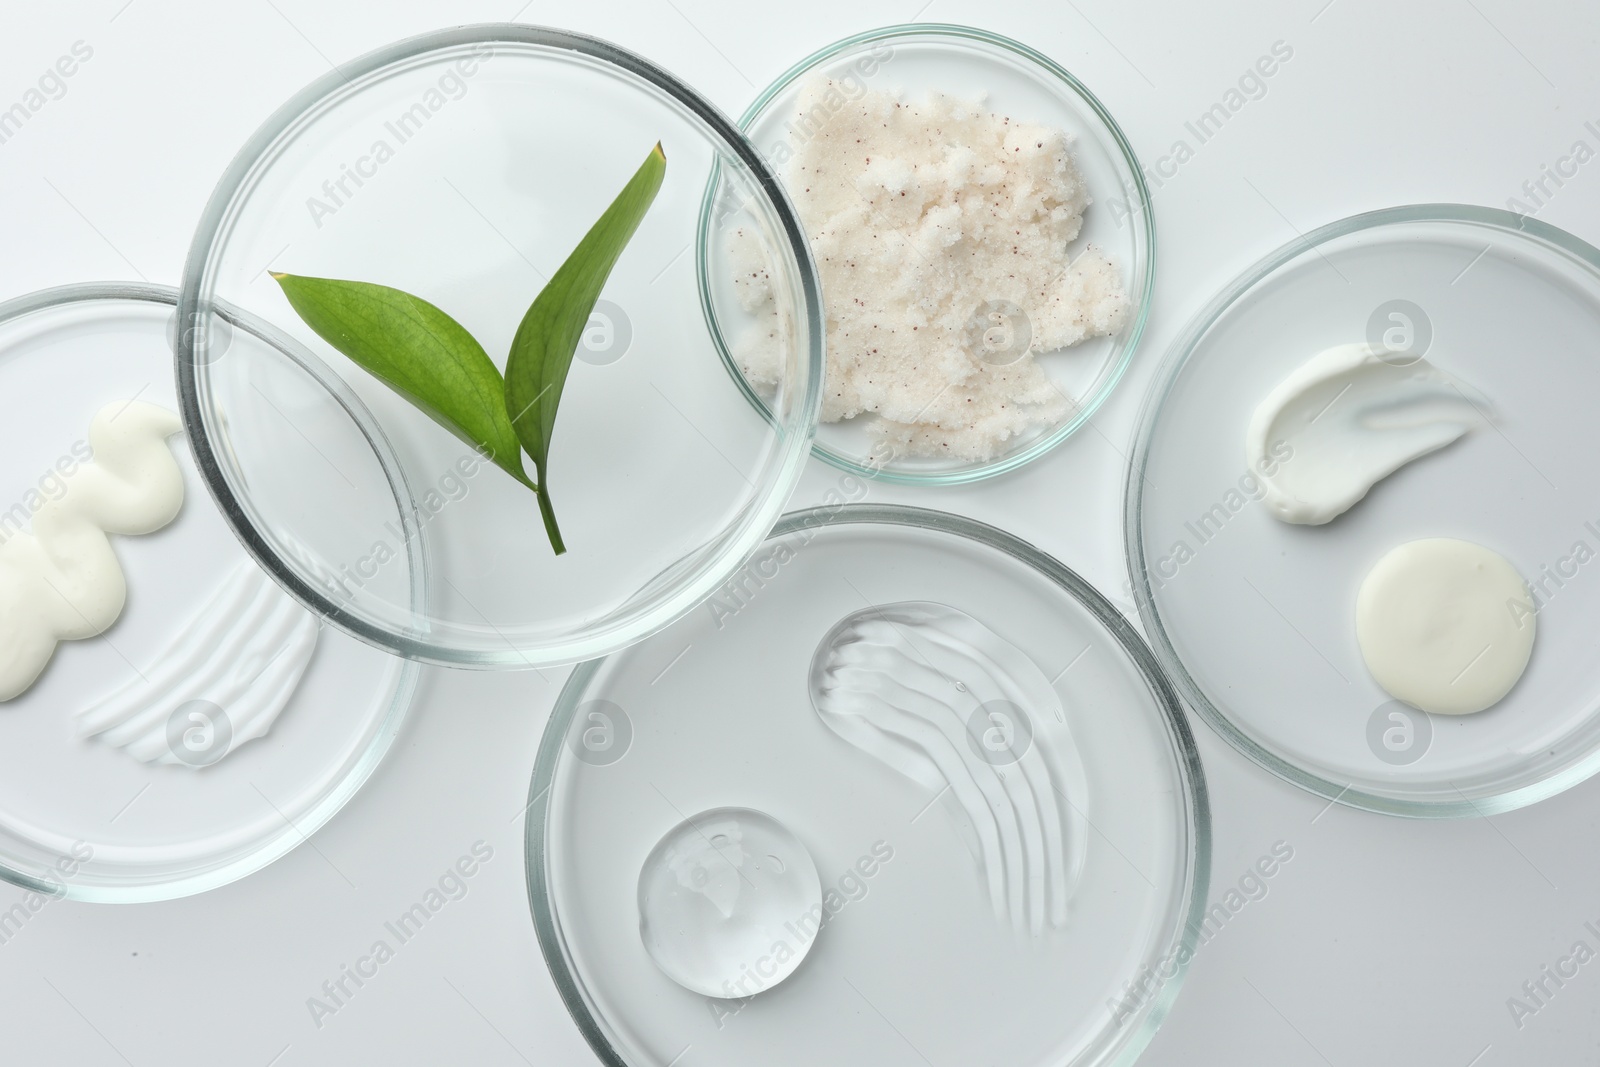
[
  {"x": 196, "y": 297},
  {"x": 1163, "y": 383},
  {"x": 1194, "y": 880},
  {"x": 303, "y": 826},
  {"x": 1144, "y": 284}
]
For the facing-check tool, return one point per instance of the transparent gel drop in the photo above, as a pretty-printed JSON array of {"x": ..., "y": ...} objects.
[{"x": 729, "y": 903}]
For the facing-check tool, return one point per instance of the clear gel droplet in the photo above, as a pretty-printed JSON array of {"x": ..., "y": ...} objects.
[{"x": 717, "y": 915}]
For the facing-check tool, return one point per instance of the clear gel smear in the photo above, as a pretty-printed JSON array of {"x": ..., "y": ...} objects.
[{"x": 934, "y": 694}]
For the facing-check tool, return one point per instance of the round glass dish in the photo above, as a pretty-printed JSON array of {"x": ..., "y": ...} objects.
[
  {"x": 463, "y": 166},
  {"x": 176, "y": 792},
  {"x": 717, "y": 712},
  {"x": 1254, "y": 619},
  {"x": 959, "y": 60}
]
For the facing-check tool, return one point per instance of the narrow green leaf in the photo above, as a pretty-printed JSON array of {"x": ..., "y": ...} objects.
[
  {"x": 419, "y": 352},
  {"x": 541, "y": 352}
]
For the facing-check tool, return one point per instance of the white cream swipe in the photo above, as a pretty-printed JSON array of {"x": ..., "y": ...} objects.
[
  {"x": 926, "y": 689},
  {"x": 244, "y": 652},
  {"x": 62, "y": 581},
  {"x": 1346, "y": 420}
]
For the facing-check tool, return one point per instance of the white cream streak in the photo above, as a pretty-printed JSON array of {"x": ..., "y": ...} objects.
[
  {"x": 62, "y": 582},
  {"x": 1349, "y": 418},
  {"x": 245, "y": 652},
  {"x": 902, "y": 682}
]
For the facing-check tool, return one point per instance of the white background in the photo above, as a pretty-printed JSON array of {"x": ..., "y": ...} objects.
[{"x": 1383, "y": 941}]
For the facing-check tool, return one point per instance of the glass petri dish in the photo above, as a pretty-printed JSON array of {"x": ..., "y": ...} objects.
[
  {"x": 178, "y": 790},
  {"x": 715, "y": 715},
  {"x": 463, "y": 166},
  {"x": 1018, "y": 81},
  {"x": 1254, "y": 619}
]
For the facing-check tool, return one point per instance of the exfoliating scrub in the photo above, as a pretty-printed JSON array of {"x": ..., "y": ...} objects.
[
  {"x": 62, "y": 581},
  {"x": 942, "y": 234},
  {"x": 1445, "y": 625},
  {"x": 1351, "y": 416},
  {"x": 942, "y": 699},
  {"x": 244, "y": 653}
]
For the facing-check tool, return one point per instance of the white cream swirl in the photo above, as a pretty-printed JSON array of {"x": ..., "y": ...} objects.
[
  {"x": 944, "y": 700},
  {"x": 62, "y": 582},
  {"x": 1347, "y": 419}
]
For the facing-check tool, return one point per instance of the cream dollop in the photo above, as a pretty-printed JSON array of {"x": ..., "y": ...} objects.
[
  {"x": 62, "y": 581},
  {"x": 1348, "y": 418},
  {"x": 944, "y": 700},
  {"x": 1446, "y": 626}
]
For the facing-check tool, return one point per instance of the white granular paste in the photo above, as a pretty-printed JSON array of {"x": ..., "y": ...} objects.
[{"x": 932, "y": 222}]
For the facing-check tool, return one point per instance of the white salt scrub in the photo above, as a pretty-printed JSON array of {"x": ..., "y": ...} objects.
[{"x": 942, "y": 234}]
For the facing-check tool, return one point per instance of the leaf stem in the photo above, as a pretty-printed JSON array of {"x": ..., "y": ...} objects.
[{"x": 548, "y": 511}]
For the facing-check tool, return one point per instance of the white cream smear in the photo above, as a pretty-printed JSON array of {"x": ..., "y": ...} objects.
[
  {"x": 1446, "y": 626},
  {"x": 923, "y": 688},
  {"x": 62, "y": 581},
  {"x": 245, "y": 652},
  {"x": 1347, "y": 419}
]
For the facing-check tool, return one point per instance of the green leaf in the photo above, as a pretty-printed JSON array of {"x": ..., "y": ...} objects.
[
  {"x": 419, "y": 352},
  {"x": 431, "y": 360},
  {"x": 541, "y": 352}
]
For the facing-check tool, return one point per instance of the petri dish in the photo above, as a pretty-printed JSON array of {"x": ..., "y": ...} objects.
[
  {"x": 427, "y": 166},
  {"x": 711, "y": 724},
  {"x": 139, "y": 767},
  {"x": 1254, "y": 619},
  {"x": 1015, "y": 80}
]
